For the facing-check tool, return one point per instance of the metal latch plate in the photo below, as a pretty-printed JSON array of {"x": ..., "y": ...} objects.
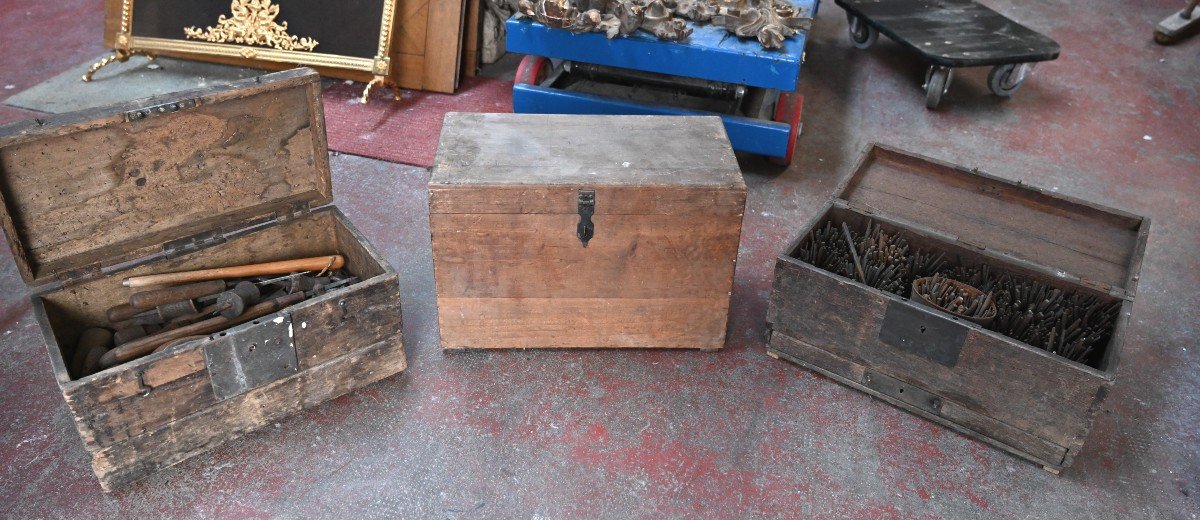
[
  {"x": 900, "y": 391},
  {"x": 587, "y": 207},
  {"x": 244, "y": 359},
  {"x": 918, "y": 330}
]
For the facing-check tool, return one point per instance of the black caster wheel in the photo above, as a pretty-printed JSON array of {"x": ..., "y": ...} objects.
[
  {"x": 861, "y": 34},
  {"x": 1004, "y": 80},
  {"x": 937, "y": 82}
]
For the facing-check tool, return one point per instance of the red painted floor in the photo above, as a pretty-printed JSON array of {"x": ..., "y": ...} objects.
[{"x": 733, "y": 434}]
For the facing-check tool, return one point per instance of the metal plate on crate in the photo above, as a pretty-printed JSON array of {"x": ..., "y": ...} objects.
[
  {"x": 917, "y": 330},
  {"x": 247, "y": 358},
  {"x": 898, "y": 390}
]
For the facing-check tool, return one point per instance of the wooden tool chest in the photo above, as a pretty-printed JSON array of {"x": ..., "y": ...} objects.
[
  {"x": 208, "y": 178},
  {"x": 1025, "y": 399},
  {"x": 557, "y": 231}
]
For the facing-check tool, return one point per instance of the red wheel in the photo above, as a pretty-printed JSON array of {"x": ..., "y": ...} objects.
[
  {"x": 787, "y": 110},
  {"x": 532, "y": 70}
]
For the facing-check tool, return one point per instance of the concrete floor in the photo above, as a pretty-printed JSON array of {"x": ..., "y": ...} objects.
[{"x": 733, "y": 434}]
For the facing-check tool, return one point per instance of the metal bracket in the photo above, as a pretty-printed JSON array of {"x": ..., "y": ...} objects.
[
  {"x": 163, "y": 109},
  {"x": 900, "y": 391},
  {"x": 587, "y": 208},
  {"x": 243, "y": 359},
  {"x": 193, "y": 243},
  {"x": 921, "y": 331}
]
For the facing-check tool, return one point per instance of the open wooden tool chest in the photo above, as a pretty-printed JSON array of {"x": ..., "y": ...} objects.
[
  {"x": 208, "y": 178},
  {"x": 1061, "y": 272},
  {"x": 553, "y": 231}
]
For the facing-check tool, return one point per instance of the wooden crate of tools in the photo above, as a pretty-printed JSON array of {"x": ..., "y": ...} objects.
[
  {"x": 1056, "y": 276},
  {"x": 215, "y": 177},
  {"x": 559, "y": 231}
]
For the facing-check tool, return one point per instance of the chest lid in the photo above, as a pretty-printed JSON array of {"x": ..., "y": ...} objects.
[
  {"x": 87, "y": 190},
  {"x": 524, "y": 163},
  {"x": 1101, "y": 246}
]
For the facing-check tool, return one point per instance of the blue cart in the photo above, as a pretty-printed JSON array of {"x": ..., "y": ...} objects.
[{"x": 711, "y": 73}]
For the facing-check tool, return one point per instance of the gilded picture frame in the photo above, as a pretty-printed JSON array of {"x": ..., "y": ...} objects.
[{"x": 252, "y": 30}]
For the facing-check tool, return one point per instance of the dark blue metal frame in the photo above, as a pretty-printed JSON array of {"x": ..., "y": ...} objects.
[{"x": 710, "y": 53}]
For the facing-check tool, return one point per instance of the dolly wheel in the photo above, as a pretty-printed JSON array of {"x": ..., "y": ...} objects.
[
  {"x": 861, "y": 34},
  {"x": 787, "y": 110},
  {"x": 532, "y": 70},
  {"x": 1004, "y": 80},
  {"x": 937, "y": 82}
]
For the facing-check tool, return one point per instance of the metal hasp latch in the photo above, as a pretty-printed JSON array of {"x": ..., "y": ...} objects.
[
  {"x": 246, "y": 358},
  {"x": 587, "y": 207}
]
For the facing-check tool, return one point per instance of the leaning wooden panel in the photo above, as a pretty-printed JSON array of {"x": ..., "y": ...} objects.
[
  {"x": 584, "y": 231},
  {"x": 1035, "y": 397},
  {"x": 250, "y": 184}
]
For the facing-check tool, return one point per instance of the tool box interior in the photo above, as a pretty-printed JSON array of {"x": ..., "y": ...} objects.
[
  {"x": 223, "y": 176},
  {"x": 1061, "y": 272}
]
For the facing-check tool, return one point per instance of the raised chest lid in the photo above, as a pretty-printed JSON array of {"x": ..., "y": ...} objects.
[
  {"x": 1101, "y": 246},
  {"x": 533, "y": 163},
  {"x": 87, "y": 190}
]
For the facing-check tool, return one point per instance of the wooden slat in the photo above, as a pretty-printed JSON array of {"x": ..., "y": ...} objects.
[
  {"x": 1027, "y": 388},
  {"x": 139, "y": 456},
  {"x": 683, "y": 202},
  {"x": 583, "y": 322},
  {"x": 540, "y": 256},
  {"x": 471, "y": 34}
]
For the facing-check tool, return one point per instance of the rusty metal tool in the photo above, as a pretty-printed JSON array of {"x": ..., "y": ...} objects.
[
  {"x": 317, "y": 263},
  {"x": 146, "y": 300},
  {"x": 233, "y": 303},
  {"x": 146, "y": 345},
  {"x": 92, "y": 339}
]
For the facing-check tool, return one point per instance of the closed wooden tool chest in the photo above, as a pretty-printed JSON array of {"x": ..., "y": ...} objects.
[
  {"x": 557, "y": 231},
  {"x": 216, "y": 177},
  {"x": 1021, "y": 359}
]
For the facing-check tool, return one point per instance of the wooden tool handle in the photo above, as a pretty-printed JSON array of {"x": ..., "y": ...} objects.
[
  {"x": 143, "y": 346},
  {"x": 147, "y": 300},
  {"x": 316, "y": 263}
]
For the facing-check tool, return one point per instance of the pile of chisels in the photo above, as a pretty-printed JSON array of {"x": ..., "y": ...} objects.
[{"x": 188, "y": 306}]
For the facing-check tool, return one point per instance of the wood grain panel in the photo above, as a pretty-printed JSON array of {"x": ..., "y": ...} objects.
[
  {"x": 583, "y": 322},
  {"x": 588, "y": 150},
  {"x": 540, "y": 256}
]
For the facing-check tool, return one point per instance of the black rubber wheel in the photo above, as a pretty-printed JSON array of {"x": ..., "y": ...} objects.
[
  {"x": 861, "y": 34},
  {"x": 998, "y": 80},
  {"x": 937, "y": 82}
]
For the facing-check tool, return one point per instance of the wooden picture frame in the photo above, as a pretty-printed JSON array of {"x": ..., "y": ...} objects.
[{"x": 379, "y": 49}]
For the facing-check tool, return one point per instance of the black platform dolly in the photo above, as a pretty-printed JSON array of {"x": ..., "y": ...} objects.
[{"x": 950, "y": 34}]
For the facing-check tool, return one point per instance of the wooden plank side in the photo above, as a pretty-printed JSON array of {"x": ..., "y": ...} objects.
[
  {"x": 577, "y": 150},
  {"x": 951, "y": 414},
  {"x": 583, "y": 322},
  {"x": 610, "y": 200},
  {"x": 117, "y": 421},
  {"x": 134, "y": 458},
  {"x": 329, "y": 328},
  {"x": 443, "y": 44},
  {"x": 1020, "y": 386},
  {"x": 540, "y": 256}
]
